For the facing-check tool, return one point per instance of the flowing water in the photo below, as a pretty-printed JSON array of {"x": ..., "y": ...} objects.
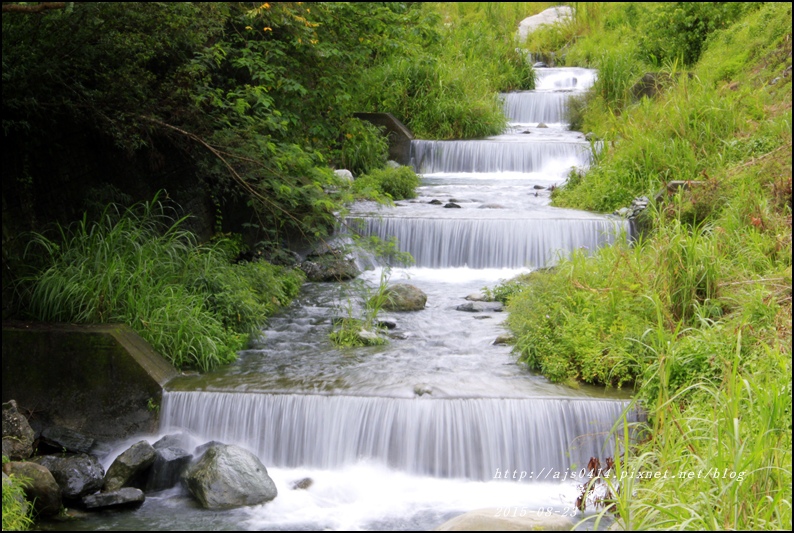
[{"x": 441, "y": 420}]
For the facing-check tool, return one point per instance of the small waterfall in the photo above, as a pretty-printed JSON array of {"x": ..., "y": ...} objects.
[
  {"x": 580, "y": 79},
  {"x": 493, "y": 243},
  {"x": 532, "y": 106},
  {"x": 472, "y": 438},
  {"x": 496, "y": 155}
]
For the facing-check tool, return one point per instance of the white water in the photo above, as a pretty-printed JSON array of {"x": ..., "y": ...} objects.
[{"x": 468, "y": 438}]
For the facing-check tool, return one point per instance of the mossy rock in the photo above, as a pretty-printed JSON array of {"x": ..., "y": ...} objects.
[{"x": 403, "y": 297}]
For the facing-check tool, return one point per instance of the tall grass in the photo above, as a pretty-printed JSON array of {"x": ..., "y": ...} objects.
[
  {"x": 139, "y": 267},
  {"x": 449, "y": 90},
  {"x": 707, "y": 334}
]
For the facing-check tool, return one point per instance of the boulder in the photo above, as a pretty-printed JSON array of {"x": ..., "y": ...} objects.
[
  {"x": 77, "y": 475},
  {"x": 477, "y": 297},
  {"x": 41, "y": 489},
  {"x": 129, "y": 467},
  {"x": 66, "y": 440},
  {"x": 329, "y": 264},
  {"x": 124, "y": 497},
  {"x": 173, "y": 440},
  {"x": 404, "y": 297},
  {"x": 452, "y": 205},
  {"x": 228, "y": 476},
  {"x": 495, "y": 520},
  {"x": 344, "y": 174},
  {"x": 18, "y": 436},
  {"x": 435, "y": 201},
  {"x": 551, "y": 15},
  {"x": 167, "y": 468}
]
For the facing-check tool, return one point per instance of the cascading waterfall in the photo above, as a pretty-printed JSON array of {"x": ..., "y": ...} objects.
[
  {"x": 492, "y": 243},
  {"x": 472, "y": 438},
  {"x": 431, "y": 157},
  {"x": 403, "y": 436},
  {"x": 536, "y": 107}
]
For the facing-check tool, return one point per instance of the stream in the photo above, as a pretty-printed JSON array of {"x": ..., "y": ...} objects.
[{"x": 441, "y": 420}]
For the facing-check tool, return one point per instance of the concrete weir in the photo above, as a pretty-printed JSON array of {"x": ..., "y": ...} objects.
[{"x": 103, "y": 380}]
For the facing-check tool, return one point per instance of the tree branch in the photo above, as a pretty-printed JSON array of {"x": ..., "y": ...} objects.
[{"x": 37, "y": 8}]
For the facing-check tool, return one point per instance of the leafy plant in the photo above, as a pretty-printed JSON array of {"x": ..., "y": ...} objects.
[
  {"x": 365, "y": 148},
  {"x": 16, "y": 509},
  {"x": 364, "y": 303},
  {"x": 397, "y": 183}
]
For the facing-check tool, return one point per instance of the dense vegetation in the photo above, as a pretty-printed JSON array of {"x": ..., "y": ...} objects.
[
  {"x": 697, "y": 313},
  {"x": 245, "y": 108},
  {"x": 236, "y": 112}
]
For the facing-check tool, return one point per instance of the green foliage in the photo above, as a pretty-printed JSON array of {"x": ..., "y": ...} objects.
[
  {"x": 679, "y": 30},
  {"x": 360, "y": 327},
  {"x": 446, "y": 85},
  {"x": 698, "y": 312},
  {"x": 16, "y": 509},
  {"x": 364, "y": 302},
  {"x": 397, "y": 183},
  {"x": 505, "y": 290},
  {"x": 577, "y": 320},
  {"x": 256, "y": 99},
  {"x": 137, "y": 266},
  {"x": 365, "y": 147}
]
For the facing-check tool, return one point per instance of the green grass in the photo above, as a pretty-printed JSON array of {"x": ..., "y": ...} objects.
[
  {"x": 697, "y": 314},
  {"x": 448, "y": 88},
  {"x": 139, "y": 267}
]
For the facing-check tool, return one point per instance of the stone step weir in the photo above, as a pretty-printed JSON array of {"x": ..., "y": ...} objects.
[{"x": 471, "y": 438}]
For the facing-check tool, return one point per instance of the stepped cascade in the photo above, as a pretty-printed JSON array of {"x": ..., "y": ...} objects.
[{"x": 441, "y": 420}]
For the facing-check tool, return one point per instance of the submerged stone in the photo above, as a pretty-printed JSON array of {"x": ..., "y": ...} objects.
[
  {"x": 497, "y": 519},
  {"x": 125, "y": 497}
]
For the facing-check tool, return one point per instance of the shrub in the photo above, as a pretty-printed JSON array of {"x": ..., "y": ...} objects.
[
  {"x": 398, "y": 183},
  {"x": 364, "y": 147}
]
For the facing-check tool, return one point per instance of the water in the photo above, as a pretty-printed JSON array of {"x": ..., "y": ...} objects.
[{"x": 441, "y": 420}]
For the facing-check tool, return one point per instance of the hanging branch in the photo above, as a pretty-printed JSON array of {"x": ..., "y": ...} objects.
[
  {"x": 29, "y": 9},
  {"x": 235, "y": 175}
]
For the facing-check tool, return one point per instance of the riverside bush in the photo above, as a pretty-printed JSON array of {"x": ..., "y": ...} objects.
[
  {"x": 398, "y": 183},
  {"x": 139, "y": 267},
  {"x": 364, "y": 148}
]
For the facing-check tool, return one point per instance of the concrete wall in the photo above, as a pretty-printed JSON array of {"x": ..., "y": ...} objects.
[
  {"x": 101, "y": 380},
  {"x": 399, "y": 135}
]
